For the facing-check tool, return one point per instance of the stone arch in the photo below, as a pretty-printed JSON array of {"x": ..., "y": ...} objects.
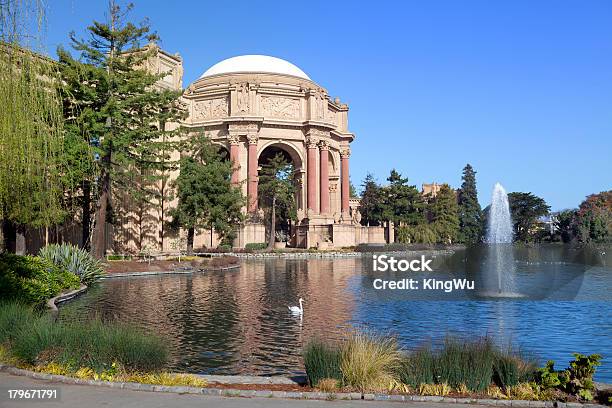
[
  {"x": 294, "y": 153},
  {"x": 296, "y": 156},
  {"x": 222, "y": 148}
]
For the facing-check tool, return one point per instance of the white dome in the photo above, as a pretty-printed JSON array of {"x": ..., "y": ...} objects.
[{"x": 255, "y": 63}]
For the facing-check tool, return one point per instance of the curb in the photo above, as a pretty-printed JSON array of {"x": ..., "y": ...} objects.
[
  {"x": 314, "y": 255},
  {"x": 52, "y": 303},
  {"x": 310, "y": 395},
  {"x": 173, "y": 272}
]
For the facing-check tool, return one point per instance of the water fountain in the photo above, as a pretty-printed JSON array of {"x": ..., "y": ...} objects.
[
  {"x": 499, "y": 268},
  {"x": 499, "y": 230}
]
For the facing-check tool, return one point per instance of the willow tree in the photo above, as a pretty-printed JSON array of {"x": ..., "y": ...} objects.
[{"x": 30, "y": 125}]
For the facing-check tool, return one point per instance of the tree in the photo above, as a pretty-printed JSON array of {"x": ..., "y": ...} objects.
[
  {"x": 206, "y": 196},
  {"x": 445, "y": 217},
  {"x": 120, "y": 110},
  {"x": 594, "y": 218},
  {"x": 564, "y": 222},
  {"x": 277, "y": 191},
  {"x": 525, "y": 209},
  {"x": 371, "y": 204},
  {"x": 470, "y": 212},
  {"x": 31, "y": 164},
  {"x": 402, "y": 203},
  {"x": 352, "y": 190}
]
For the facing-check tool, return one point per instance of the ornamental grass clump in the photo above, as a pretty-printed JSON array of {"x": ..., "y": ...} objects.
[
  {"x": 75, "y": 260},
  {"x": 468, "y": 363},
  {"x": 418, "y": 367},
  {"x": 369, "y": 362},
  {"x": 321, "y": 362}
]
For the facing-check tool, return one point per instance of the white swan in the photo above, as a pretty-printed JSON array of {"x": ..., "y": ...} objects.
[{"x": 297, "y": 310}]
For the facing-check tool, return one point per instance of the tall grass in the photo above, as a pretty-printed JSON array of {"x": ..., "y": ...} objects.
[
  {"x": 469, "y": 363},
  {"x": 321, "y": 361},
  {"x": 374, "y": 363},
  {"x": 370, "y": 362},
  {"x": 419, "y": 367},
  {"x": 36, "y": 340}
]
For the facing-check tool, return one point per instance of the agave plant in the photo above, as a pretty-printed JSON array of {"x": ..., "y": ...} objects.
[{"x": 75, "y": 260}]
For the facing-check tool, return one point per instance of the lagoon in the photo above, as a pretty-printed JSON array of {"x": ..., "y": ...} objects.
[{"x": 237, "y": 321}]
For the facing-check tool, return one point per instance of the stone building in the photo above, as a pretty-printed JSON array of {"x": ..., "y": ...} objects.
[{"x": 256, "y": 106}]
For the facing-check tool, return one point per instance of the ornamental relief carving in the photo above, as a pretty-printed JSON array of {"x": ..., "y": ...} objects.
[
  {"x": 331, "y": 116},
  {"x": 278, "y": 107},
  {"x": 211, "y": 109}
]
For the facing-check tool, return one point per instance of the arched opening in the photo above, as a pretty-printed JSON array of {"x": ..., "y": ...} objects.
[{"x": 280, "y": 192}]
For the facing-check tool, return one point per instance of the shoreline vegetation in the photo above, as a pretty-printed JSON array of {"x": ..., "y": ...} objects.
[
  {"x": 362, "y": 363},
  {"x": 368, "y": 362}
]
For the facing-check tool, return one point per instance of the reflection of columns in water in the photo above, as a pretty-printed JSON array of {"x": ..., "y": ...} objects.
[
  {"x": 252, "y": 173},
  {"x": 324, "y": 174}
]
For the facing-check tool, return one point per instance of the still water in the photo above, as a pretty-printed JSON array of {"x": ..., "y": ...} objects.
[{"x": 237, "y": 321}]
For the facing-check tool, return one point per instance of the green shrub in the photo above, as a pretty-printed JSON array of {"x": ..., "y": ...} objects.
[
  {"x": 32, "y": 280},
  {"x": 255, "y": 246},
  {"x": 418, "y": 367},
  {"x": 580, "y": 375},
  {"x": 422, "y": 233},
  {"x": 75, "y": 260},
  {"x": 37, "y": 340},
  {"x": 577, "y": 379},
  {"x": 321, "y": 361},
  {"x": 548, "y": 377}
]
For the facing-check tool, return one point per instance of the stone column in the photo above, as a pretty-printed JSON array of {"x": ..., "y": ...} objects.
[
  {"x": 252, "y": 173},
  {"x": 345, "y": 188},
  {"x": 311, "y": 183},
  {"x": 324, "y": 174},
  {"x": 234, "y": 142}
]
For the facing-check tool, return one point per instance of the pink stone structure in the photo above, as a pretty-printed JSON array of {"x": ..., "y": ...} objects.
[{"x": 256, "y": 106}]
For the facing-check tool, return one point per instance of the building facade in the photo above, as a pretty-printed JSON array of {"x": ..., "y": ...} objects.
[{"x": 255, "y": 107}]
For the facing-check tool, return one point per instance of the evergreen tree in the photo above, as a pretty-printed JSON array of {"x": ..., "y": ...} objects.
[
  {"x": 470, "y": 213},
  {"x": 352, "y": 190},
  {"x": 445, "y": 215},
  {"x": 206, "y": 196},
  {"x": 371, "y": 204},
  {"x": 525, "y": 209},
  {"x": 403, "y": 203},
  {"x": 277, "y": 192},
  {"x": 120, "y": 111}
]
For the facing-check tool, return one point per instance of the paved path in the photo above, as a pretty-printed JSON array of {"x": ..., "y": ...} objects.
[{"x": 85, "y": 396}]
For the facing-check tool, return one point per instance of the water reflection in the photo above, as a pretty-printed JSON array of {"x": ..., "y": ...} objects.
[{"x": 237, "y": 322}]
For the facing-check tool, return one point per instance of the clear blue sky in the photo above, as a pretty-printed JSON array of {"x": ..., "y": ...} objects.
[{"x": 522, "y": 90}]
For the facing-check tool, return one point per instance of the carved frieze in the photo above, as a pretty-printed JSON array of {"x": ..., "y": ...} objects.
[
  {"x": 210, "y": 109},
  {"x": 331, "y": 116},
  {"x": 279, "y": 107}
]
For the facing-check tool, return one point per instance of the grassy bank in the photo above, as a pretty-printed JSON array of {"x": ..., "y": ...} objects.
[
  {"x": 95, "y": 350},
  {"x": 370, "y": 363}
]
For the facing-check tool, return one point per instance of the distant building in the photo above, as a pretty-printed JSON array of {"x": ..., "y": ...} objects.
[{"x": 430, "y": 189}]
